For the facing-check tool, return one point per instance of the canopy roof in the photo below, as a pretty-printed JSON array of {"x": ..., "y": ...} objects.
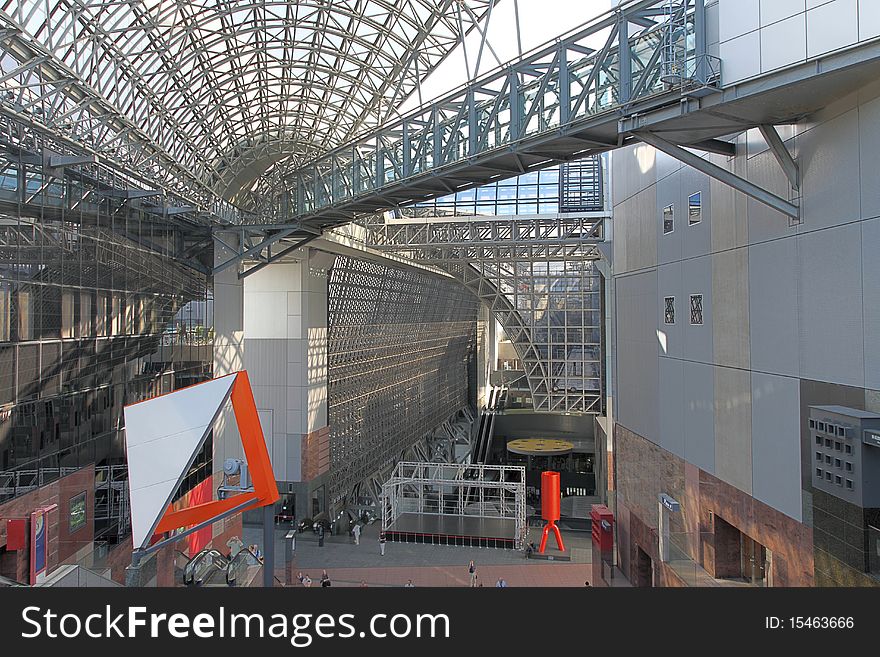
[{"x": 228, "y": 89}]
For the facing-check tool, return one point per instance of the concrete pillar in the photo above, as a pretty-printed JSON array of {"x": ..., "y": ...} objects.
[{"x": 284, "y": 349}]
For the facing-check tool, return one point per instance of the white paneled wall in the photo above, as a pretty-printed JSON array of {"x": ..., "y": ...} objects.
[{"x": 759, "y": 36}]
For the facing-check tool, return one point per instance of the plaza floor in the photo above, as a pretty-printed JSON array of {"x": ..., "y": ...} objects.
[{"x": 348, "y": 564}]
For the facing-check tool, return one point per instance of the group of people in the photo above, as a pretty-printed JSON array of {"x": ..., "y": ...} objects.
[
  {"x": 500, "y": 583},
  {"x": 306, "y": 581}
]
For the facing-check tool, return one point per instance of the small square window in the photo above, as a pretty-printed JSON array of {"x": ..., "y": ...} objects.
[
  {"x": 819, "y": 456},
  {"x": 828, "y": 476},
  {"x": 836, "y": 463},
  {"x": 819, "y": 472},
  {"x": 822, "y": 427},
  {"x": 812, "y": 424},
  {"x": 818, "y": 440},
  {"x": 841, "y": 431},
  {"x": 838, "y": 480},
  {"x": 668, "y": 219},
  {"x": 696, "y": 309},
  {"x": 828, "y": 442},
  {"x": 849, "y": 466},
  {"x": 827, "y": 459},
  {"x": 849, "y": 484},
  {"x": 695, "y": 208},
  {"x": 847, "y": 449},
  {"x": 838, "y": 446},
  {"x": 669, "y": 312}
]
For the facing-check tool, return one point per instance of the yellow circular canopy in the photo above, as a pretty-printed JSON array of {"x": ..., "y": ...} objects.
[{"x": 540, "y": 446}]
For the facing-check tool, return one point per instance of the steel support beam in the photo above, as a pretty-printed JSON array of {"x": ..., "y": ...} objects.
[
  {"x": 255, "y": 249},
  {"x": 714, "y": 171},
  {"x": 782, "y": 155},
  {"x": 274, "y": 258},
  {"x": 717, "y": 146}
]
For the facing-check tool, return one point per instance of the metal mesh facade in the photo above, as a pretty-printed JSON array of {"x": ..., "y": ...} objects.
[{"x": 400, "y": 348}]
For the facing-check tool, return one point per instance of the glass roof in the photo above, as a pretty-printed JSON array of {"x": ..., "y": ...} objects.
[{"x": 228, "y": 89}]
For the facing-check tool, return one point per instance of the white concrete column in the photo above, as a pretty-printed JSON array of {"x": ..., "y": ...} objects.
[
  {"x": 285, "y": 345},
  {"x": 228, "y": 345}
]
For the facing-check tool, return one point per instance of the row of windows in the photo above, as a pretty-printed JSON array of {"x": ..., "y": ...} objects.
[
  {"x": 837, "y": 478},
  {"x": 695, "y": 213},
  {"x": 829, "y": 443},
  {"x": 827, "y": 458},
  {"x": 828, "y": 427},
  {"x": 696, "y": 310}
]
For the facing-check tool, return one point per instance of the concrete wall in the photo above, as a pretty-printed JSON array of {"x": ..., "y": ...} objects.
[{"x": 783, "y": 305}]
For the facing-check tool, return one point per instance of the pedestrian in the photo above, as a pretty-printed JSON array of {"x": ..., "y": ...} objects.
[
  {"x": 357, "y": 534},
  {"x": 325, "y": 579},
  {"x": 501, "y": 584},
  {"x": 586, "y": 583},
  {"x": 382, "y": 544},
  {"x": 307, "y": 581},
  {"x": 363, "y": 583},
  {"x": 299, "y": 577},
  {"x": 409, "y": 584},
  {"x": 472, "y": 571}
]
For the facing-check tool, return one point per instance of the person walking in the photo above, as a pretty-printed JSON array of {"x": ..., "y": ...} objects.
[
  {"x": 357, "y": 534},
  {"x": 472, "y": 572},
  {"x": 382, "y": 544},
  {"x": 325, "y": 579}
]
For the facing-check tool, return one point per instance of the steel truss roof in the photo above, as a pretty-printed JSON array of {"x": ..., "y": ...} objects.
[{"x": 205, "y": 97}]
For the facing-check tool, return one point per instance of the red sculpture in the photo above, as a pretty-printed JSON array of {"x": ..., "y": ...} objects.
[{"x": 550, "y": 498}]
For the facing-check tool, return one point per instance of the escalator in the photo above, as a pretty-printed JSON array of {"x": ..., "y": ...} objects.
[
  {"x": 482, "y": 449},
  {"x": 209, "y": 568}
]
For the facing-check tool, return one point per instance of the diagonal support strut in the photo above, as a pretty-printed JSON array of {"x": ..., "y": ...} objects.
[{"x": 714, "y": 171}]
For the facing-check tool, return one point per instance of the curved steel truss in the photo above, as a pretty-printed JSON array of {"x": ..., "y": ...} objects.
[
  {"x": 208, "y": 97},
  {"x": 537, "y": 277}
]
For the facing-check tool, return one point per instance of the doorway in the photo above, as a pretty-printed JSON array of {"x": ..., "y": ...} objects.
[{"x": 643, "y": 573}]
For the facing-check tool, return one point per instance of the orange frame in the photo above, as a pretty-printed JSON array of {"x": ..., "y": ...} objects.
[{"x": 257, "y": 456}]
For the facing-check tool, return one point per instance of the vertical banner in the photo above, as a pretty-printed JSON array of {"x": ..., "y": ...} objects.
[{"x": 39, "y": 543}]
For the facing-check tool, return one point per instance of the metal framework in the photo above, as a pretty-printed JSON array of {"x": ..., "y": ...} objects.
[
  {"x": 536, "y": 276},
  {"x": 205, "y": 99},
  {"x": 561, "y": 101},
  {"x": 400, "y": 350},
  {"x": 468, "y": 490}
]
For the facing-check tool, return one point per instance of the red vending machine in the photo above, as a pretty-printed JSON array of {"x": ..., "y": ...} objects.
[{"x": 603, "y": 544}]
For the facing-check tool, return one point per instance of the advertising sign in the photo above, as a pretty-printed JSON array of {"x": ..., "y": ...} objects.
[{"x": 39, "y": 543}]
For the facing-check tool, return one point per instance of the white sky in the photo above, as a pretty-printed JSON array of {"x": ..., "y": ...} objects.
[{"x": 540, "y": 21}]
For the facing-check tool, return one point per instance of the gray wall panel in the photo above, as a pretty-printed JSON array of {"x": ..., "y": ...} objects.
[
  {"x": 828, "y": 155},
  {"x": 832, "y": 330},
  {"x": 730, "y": 308},
  {"x": 696, "y": 238},
  {"x": 699, "y": 415},
  {"x": 733, "y": 427},
  {"x": 669, "y": 284},
  {"x": 871, "y": 283},
  {"x": 671, "y": 398},
  {"x": 869, "y": 154},
  {"x": 773, "y": 314},
  {"x": 776, "y": 450},
  {"x": 766, "y": 223},
  {"x": 637, "y": 350},
  {"x": 696, "y": 279},
  {"x": 669, "y": 244}
]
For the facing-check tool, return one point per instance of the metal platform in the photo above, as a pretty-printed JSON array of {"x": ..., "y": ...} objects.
[{"x": 453, "y": 530}]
